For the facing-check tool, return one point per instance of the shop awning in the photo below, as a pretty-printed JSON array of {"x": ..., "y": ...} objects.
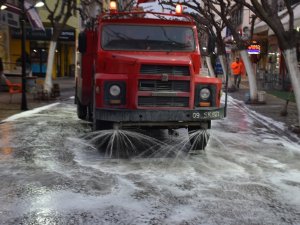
[
  {"x": 11, "y": 15},
  {"x": 33, "y": 16},
  {"x": 262, "y": 26}
]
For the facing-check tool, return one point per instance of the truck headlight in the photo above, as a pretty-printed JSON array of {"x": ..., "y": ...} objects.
[
  {"x": 204, "y": 94},
  {"x": 115, "y": 90}
]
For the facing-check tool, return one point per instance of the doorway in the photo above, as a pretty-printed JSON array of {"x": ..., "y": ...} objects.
[{"x": 39, "y": 61}]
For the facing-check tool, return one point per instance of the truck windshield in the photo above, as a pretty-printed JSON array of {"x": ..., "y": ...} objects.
[{"x": 147, "y": 38}]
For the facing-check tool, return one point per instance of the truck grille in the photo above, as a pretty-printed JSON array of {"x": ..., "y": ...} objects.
[
  {"x": 158, "y": 85},
  {"x": 155, "y": 101},
  {"x": 165, "y": 69}
]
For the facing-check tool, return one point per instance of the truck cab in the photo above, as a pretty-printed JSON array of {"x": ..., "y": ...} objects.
[{"x": 142, "y": 70}]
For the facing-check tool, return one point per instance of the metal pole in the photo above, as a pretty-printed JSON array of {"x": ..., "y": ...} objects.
[
  {"x": 23, "y": 54},
  {"x": 226, "y": 84}
]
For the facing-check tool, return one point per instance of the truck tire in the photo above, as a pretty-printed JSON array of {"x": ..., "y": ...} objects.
[
  {"x": 81, "y": 111},
  {"x": 198, "y": 140},
  {"x": 90, "y": 113}
]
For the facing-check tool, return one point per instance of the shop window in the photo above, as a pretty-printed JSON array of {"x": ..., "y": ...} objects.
[{"x": 39, "y": 61}]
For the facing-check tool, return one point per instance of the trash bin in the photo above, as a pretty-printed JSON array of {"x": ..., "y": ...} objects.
[
  {"x": 247, "y": 97},
  {"x": 261, "y": 96}
]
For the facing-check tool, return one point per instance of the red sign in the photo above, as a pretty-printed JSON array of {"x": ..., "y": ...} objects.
[{"x": 254, "y": 49}]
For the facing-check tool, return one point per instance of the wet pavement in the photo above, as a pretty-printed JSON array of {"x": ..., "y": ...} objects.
[
  {"x": 7, "y": 108},
  {"x": 51, "y": 173},
  {"x": 271, "y": 109}
]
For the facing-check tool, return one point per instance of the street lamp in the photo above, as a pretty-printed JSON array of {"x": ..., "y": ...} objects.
[
  {"x": 22, "y": 11},
  {"x": 23, "y": 51},
  {"x": 39, "y": 4},
  {"x": 3, "y": 7}
]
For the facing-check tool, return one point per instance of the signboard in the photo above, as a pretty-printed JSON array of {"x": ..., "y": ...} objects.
[
  {"x": 33, "y": 16},
  {"x": 228, "y": 32},
  {"x": 44, "y": 35},
  {"x": 254, "y": 49},
  {"x": 32, "y": 34},
  {"x": 67, "y": 35}
]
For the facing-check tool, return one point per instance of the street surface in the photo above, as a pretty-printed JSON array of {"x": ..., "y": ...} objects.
[{"x": 54, "y": 171}]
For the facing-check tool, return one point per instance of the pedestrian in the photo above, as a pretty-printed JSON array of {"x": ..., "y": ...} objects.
[
  {"x": 236, "y": 68},
  {"x": 243, "y": 69}
]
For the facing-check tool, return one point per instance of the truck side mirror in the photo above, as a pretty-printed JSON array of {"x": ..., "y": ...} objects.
[{"x": 82, "y": 42}]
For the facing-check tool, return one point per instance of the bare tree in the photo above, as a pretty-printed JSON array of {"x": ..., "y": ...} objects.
[
  {"x": 218, "y": 13},
  {"x": 223, "y": 9},
  {"x": 129, "y": 5},
  {"x": 89, "y": 11},
  {"x": 205, "y": 31},
  {"x": 216, "y": 27},
  {"x": 287, "y": 36},
  {"x": 58, "y": 14}
]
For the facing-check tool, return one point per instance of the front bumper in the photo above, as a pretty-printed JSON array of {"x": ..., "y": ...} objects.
[{"x": 160, "y": 117}]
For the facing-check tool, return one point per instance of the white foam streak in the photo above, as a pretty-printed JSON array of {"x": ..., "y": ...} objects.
[{"x": 29, "y": 113}]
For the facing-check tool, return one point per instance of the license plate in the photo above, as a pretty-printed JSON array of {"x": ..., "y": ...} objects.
[{"x": 206, "y": 115}]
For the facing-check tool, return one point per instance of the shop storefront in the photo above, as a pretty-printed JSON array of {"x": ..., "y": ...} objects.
[
  {"x": 273, "y": 63},
  {"x": 4, "y": 43},
  {"x": 37, "y": 46},
  {"x": 7, "y": 19}
]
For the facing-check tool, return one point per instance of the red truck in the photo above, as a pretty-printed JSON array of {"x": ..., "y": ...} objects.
[{"x": 142, "y": 70}]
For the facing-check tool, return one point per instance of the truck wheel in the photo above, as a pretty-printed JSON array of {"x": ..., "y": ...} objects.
[
  {"x": 90, "y": 113},
  {"x": 81, "y": 111},
  {"x": 198, "y": 138}
]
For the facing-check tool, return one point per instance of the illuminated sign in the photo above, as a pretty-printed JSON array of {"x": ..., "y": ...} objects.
[{"x": 254, "y": 49}]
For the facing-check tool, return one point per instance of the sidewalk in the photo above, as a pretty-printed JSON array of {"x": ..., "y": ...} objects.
[
  {"x": 272, "y": 108},
  {"x": 66, "y": 86}
]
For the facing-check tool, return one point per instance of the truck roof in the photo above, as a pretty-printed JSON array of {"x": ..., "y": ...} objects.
[{"x": 147, "y": 17}]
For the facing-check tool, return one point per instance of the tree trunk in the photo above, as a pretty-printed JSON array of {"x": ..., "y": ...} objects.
[
  {"x": 251, "y": 75},
  {"x": 290, "y": 56},
  {"x": 210, "y": 67},
  {"x": 225, "y": 66},
  {"x": 50, "y": 61}
]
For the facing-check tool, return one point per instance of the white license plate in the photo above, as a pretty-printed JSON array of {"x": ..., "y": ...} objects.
[{"x": 206, "y": 115}]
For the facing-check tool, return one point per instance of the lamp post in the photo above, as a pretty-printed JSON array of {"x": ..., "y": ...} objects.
[
  {"x": 22, "y": 21},
  {"x": 23, "y": 49},
  {"x": 22, "y": 12}
]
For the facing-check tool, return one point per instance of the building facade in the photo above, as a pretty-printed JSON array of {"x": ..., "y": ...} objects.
[
  {"x": 272, "y": 61},
  {"x": 37, "y": 42},
  {"x": 264, "y": 50}
]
